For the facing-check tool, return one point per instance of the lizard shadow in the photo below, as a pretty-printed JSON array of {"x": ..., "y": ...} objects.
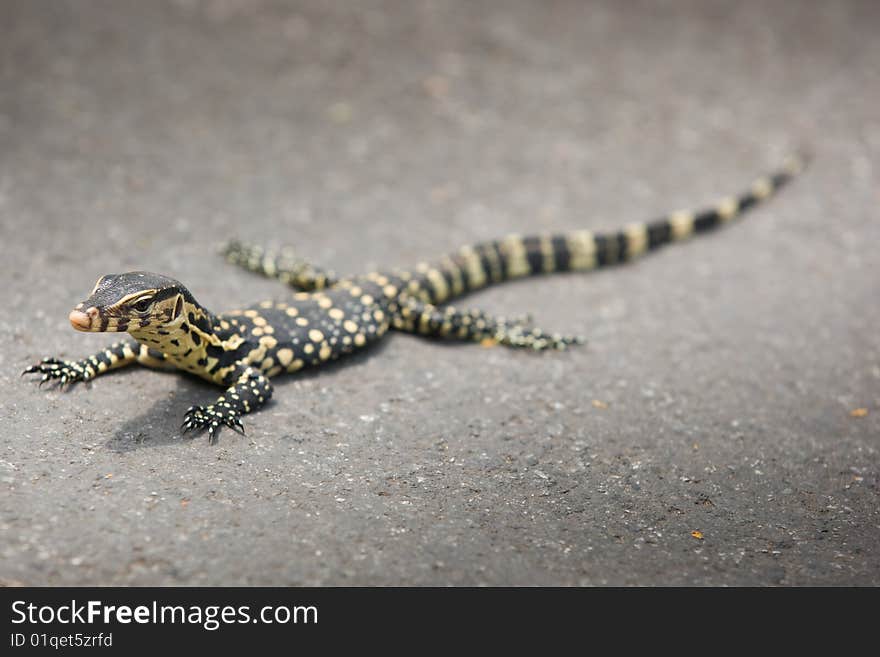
[{"x": 160, "y": 424}]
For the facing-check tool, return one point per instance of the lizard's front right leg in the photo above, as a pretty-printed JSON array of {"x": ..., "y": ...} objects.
[{"x": 119, "y": 354}]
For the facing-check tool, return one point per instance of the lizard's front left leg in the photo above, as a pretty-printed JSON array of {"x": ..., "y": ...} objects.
[
  {"x": 118, "y": 354},
  {"x": 249, "y": 392}
]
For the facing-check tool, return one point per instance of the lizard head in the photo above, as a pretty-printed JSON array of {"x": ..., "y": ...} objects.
[{"x": 131, "y": 301}]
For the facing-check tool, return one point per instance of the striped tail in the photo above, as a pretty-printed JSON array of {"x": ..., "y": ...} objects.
[{"x": 475, "y": 267}]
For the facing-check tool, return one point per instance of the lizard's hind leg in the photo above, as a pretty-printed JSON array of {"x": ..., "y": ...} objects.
[
  {"x": 469, "y": 324},
  {"x": 282, "y": 264}
]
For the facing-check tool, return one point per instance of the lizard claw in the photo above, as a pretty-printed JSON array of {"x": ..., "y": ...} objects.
[
  {"x": 212, "y": 418},
  {"x": 63, "y": 371}
]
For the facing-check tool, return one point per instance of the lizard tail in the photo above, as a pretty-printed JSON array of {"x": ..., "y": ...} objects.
[{"x": 480, "y": 265}]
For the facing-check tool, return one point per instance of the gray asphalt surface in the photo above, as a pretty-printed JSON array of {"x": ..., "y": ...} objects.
[{"x": 717, "y": 389}]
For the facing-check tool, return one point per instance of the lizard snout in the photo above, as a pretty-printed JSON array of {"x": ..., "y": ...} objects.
[{"x": 82, "y": 321}]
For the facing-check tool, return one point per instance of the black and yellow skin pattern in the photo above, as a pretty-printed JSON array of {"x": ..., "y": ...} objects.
[{"x": 329, "y": 317}]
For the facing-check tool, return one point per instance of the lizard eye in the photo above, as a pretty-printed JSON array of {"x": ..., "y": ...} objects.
[{"x": 143, "y": 305}]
